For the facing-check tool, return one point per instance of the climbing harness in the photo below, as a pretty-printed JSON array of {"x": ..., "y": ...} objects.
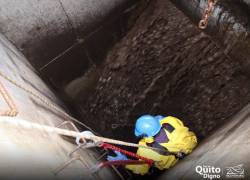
[
  {"x": 207, "y": 13},
  {"x": 140, "y": 159},
  {"x": 114, "y": 148},
  {"x": 13, "y": 110}
]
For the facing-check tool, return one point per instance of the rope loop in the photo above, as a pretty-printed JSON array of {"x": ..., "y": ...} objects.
[{"x": 80, "y": 140}]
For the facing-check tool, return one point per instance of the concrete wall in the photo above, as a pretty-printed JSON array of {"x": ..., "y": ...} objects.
[
  {"x": 69, "y": 35},
  {"x": 228, "y": 147},
  {"x": 35, "y": 154},
  {"x": 247, "y": 1}
]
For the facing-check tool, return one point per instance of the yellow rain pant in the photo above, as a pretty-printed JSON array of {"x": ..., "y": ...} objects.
[{"x": 180, "y": 140}]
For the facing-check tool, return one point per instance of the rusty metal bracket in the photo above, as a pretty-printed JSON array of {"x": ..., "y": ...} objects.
[
  {"x": 82, "y": 145},
  {"x": 66, "y": 164},
  {"x": 85, "y": 145},
  {"x": 72, "y": 159},
  {"x": 70, "y": 123}
]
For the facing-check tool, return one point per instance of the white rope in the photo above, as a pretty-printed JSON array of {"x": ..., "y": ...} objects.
[
  {"x": 34, "y": 126},
  {"x": 29, "y": 125},
  {"x": 17, "y": 122}
]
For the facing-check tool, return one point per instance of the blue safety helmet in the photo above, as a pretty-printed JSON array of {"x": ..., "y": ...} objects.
[
  {"x": 159, "y": 117},
  {"x": 147, "y": 125}
]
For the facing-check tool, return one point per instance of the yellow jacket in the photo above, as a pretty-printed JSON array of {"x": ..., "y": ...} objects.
[{"x": 180, "y": 140}]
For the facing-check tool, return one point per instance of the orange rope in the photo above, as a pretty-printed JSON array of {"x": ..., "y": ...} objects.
[
  {"x": 114, "y": 148},
  {"x": 13, "y": 110}
]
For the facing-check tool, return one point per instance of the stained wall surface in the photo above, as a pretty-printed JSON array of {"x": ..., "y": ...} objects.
[
  {"x": 227, "y": 148},
  {"x": 36, "y": 154},
  {"x": 62, "y": 39}
]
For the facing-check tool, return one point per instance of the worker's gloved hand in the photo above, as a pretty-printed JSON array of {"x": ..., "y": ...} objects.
[{"x": 119, "y": 156}]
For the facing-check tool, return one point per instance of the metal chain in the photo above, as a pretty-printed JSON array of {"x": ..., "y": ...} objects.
[{"x": 207, "y": 13}]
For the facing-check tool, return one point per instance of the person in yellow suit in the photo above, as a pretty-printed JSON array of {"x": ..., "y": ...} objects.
[{"x": 168, "y": 134}]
